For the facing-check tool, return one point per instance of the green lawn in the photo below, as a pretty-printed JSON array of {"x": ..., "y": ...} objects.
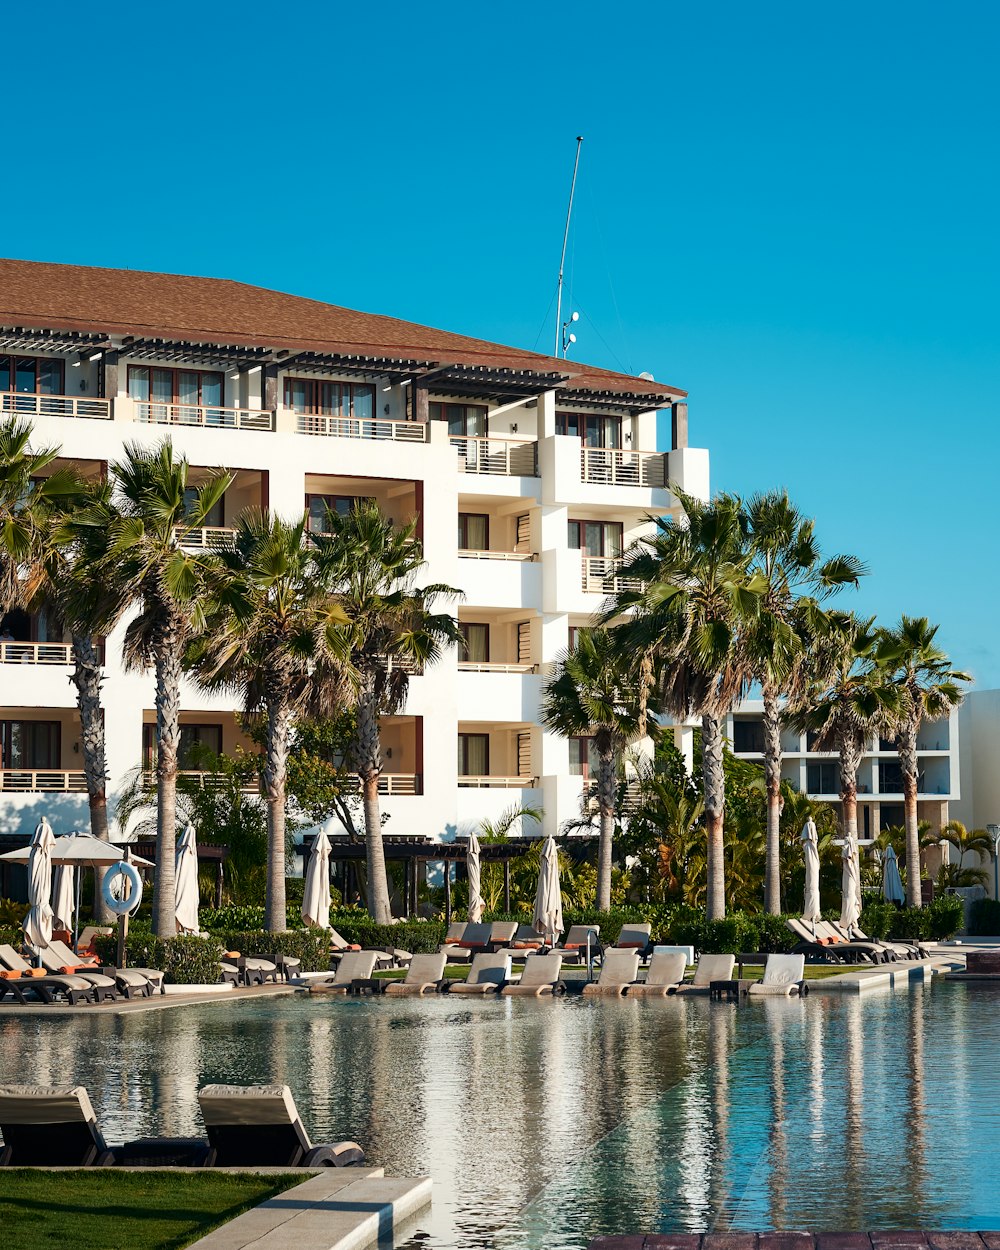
[{"x": 108, "y": 1209}]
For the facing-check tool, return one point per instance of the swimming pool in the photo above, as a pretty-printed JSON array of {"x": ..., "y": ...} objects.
[{"x": 544, "y": 1124}]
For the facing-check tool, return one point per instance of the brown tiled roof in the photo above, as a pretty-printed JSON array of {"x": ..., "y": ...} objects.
[{"x": 40, "y": 295}]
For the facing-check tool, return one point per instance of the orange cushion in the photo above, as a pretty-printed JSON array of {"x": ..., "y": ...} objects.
[
  {"x": 525, "y": 946},
  {"x": 232, "y": 955},
  {"x": 471, "y": 946},
  {"x": 7, "y": 975},
  {"x": 629, "y": 946}
]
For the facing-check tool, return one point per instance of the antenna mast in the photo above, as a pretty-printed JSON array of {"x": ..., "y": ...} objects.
[{"x": 562, "y": 258}]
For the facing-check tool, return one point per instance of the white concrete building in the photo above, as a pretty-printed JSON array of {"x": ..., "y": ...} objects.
[
  {"x": 528, "y": 475},
  {"x": 880, "y": 785}
]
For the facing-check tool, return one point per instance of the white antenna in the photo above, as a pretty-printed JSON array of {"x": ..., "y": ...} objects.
[{"x": 562, "y": 258}]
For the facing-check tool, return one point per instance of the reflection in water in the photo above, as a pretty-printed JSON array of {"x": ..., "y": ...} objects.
[{"x": 548, "y": 1123}]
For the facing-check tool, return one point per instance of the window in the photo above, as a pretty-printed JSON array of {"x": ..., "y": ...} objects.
[
  {"x": 31, "y": 375},
  {"x": 331, "y": 399},
  {"x": 574, "y": 634},
  {"x": 582, "y": 757},
  {"x": 205, "y": 737},
  {"x": 468, "y": 420},
  {"x": 890, "y": 777},
  {"x": 30, "y": 743},
  {"x": 823, "y": 777},
  {"x": 473, "y": 755},
  {"x": 473, "y": 532},
  {"x": 595, "y": 430},
  {"x": 318, "y": 508},
  {"x": 194, "y": 388},
  {"x": 748, "y": 736},
  {"x": 215, "y": 516},
  {"x": 477, "y": 642},
  {"x": 596, "y": 538}
]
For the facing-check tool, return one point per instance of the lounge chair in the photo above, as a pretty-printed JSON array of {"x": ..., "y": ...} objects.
[
  {"x": 354, "y": 966},
  {"x": 709, "y": 968},
  {"x": 784, "y": 975},
  {"x": 475, "y": 938},
  {"x": 259, "y": 1126},
  {"x": 131, "y": 982},
  {"x": 488, "y": 974},
  {"x": 50, "y": 1126},
  {"x": 248, "y": 969},
  {"x": 634, "y": 937},
  {"x": 455, "y": 932},
  {"x": 391, "y": 958},
  {"x": 838, "y": 938},
  {"x": 822, "y": 946},
  {"x": 425, "y": 975},
  {"x": 574, "y": 945},
  {"x": 26, "y": 984},
  {"x": 540, "y": 976},
  {"x": 619, "y": 970},
  {"x": 525, "y": 941},
  {"x": 85, "y": 945},
  {"x": 666, "y": 973},
  {"x": 903, "y": 949}
]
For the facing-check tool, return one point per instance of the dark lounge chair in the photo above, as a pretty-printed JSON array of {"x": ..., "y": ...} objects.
[
  {"x": 50, "y": 1126},
  {"x": 28, "y": 985},
  {"x": 259, "y": 1126}
]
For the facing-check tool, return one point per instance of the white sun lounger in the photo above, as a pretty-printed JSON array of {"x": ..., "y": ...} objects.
[
  {"x": 619, "y": 970},
  {"x": 666, "y": 972},
  {"x": 424, "y": 976},
  {"x": 784, "y": 975},
  {"x": 540, "y": 976}
]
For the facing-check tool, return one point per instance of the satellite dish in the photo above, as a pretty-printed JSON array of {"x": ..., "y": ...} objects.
[{"x": 647, "y": 377}]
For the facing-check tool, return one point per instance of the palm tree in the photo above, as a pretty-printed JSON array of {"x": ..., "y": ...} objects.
[
  {"x": 274, "y": 637},
  {"x": 594, "y": 692},
  {"x": 932, "y": 688},
  {"x": 964, "y": 842},
  {"x": 147, "y": 566},
  {"x": 787, "y": 557},
  {"x": 499, "y": 829},
  {"x": 370, "y": 564},
  {"x": 693, "y": 600}
]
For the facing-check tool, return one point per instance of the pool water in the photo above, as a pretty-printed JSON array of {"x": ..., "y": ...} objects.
[{"x": 544, "y": 1124}]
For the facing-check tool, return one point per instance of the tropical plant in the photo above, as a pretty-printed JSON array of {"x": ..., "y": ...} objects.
[
  {"x": 26, "y": 498},
  {"x": 499, "y": 829},
  {"x": 147, "y": 566},
  {"x": 594, "y": 692},
  {"x": 370, "y": 565},
  {"x": 691, "y": 597},
  {"x": 794, "y": 579},
  {"x": 931, "y": 689},
  {"x": 274, "y": 637},
  {"x": 963, "y": 842}
]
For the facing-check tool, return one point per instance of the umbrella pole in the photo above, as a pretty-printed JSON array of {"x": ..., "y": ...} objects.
[{"x": 78, "y": 873}]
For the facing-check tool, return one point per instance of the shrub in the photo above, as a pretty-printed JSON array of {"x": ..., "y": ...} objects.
[
  {"x": 984, "y": 917},
  {"x": 12, "y": 913},
  {"x": 878, "y": 918},
  {"x": 183, "y": 960},
  {"x": 946, "y": 916},
  {"x": 417, "y": 936},
  {"x": 312, "y": 946}
]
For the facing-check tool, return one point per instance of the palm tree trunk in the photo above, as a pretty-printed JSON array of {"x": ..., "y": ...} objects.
[
  {"x": 168, "y": 700},
  {"x": 850, "y": 760},
  {"x": 906, "y": 745},
  {"x": 772, "y": 781},
  {"x": 275, "y": 773},
  {"x": 86, "y": 676},
  {"x": 606, "y": 803},
  {"x": 369, "y": 765},
  {"x": 715, "y": 802}
]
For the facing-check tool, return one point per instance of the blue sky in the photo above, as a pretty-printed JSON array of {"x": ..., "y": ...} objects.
[{"x": 788, "y": 210}]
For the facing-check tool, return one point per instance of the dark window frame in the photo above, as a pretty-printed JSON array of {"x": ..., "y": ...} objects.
[
  {"x": 580, "y": 522},
  {"x": 602, "y": 421},
  {"x": 464, "y": 627},
  {"x": 463, "y": 518},
  {"x": 463, "y": 754},
  {"x": 319, "y": 405},
  {"x": 55, "y": 730},
  {"x": 175, "y": 393},
  {"x": 12, "y": 363},
  {"x": 444, "y": 410}
]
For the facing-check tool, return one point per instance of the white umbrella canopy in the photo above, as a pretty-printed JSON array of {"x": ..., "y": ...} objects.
[
  {"x": 80, "y": 848},
  {"x": 892, "y": 882},
  {"x": 475, "y": 881},
  {"x": 810, "y": 853},
  {"x": 316, "y": 889},
  {"x": 63, "y": 896},
  {"x": 186, "y": 882},
  {"x": 850, "y": 906},
  {"x": 548, "y": 917},
  {"x": 38, "y": 922}
]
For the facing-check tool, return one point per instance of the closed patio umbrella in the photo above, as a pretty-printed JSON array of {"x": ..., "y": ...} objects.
[
  {"x": 316, "y": 890},
  {"x": 63, "y": 897},
  {"x": 548, "y": 917},
  {"x": 186, "y": 882},
  {"x": 850, "y": 905},
  {"x": 38, "y": 922},
  {"x": 810, "y": 853},
  {"x": 892, "y": 882},
  {"x": 475, "y": 881}
]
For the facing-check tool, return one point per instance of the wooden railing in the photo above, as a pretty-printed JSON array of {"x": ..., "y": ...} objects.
[
  {"x": 206, "y": 781},
  {"x": 503, "y": 457},
  {"x": 211, "y": 418},
  {"x": 46, "y": 780},
  {"x": 206, "y": 537},
  {"x": 54, "y": 405},
  {"x": 466, "y": 781},
  {"x": 599, "y": 576},
  {"x": 495, "y": 555},
  {"x": 362, "y": 427},
  {"x": 36, "y": 653},
  {"x": 611, "y": 466},
  {"x": 474, "y": 666},
  {"x": 392, "y": 783}
]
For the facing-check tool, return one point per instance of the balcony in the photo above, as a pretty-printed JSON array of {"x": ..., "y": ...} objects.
[
  {"x": 392, "y": 784},
  {"x": 473, "y": 666},
  {"x": 468, "y": 782},
  {"x": 210, "y": 418},
  {"x": 43, "y": 781},
  {"x": 599, "y": 576},
  {"x": 499, "y": 457},
  {"x": 517, "y": 556},
  {"x": 36, "y": 653},
  {"x": 609, "y": 466},
  {"x": 206, "y": 538},
  {"x": 356, "y": 427},
  {"x": 29, "y": 405}
]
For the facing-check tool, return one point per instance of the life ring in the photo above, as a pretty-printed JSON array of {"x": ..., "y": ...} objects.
[{"x": 118, "y": 897}]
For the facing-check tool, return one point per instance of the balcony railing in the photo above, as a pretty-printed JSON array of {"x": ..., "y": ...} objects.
[
  {"x": 600, "y": 578},
  {"x": 211, "y": 418},
  {"x": 392, "y": 783},
  {"x": 474, "y": 666},
  {"x": 54, "y": 405},
  {"x": 44, "y": 780},
  {"x": 610, "y": 466},
  {"x": 358, "y": 427},
  {"x": 468, "y": 781},
  {"x": 207, "y": 538},
  {"x": 502, "y": 457},
  {"x": 495, "y": 555},
  {"x": 36, "y": 653}
]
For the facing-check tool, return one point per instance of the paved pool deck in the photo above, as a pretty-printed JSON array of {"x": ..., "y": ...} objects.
[{"x": 896, "y": 1240}]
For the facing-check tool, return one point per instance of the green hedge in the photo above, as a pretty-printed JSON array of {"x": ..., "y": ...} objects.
[
  {"x": 312, "y": 946},
  {"x": 417, "y": 936},
  {"x": 933, "y": 923},
  {"x": 182, "y": 960},
  {"x": 984, "y": 918},
  {"x": 245, "y": 916}
]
